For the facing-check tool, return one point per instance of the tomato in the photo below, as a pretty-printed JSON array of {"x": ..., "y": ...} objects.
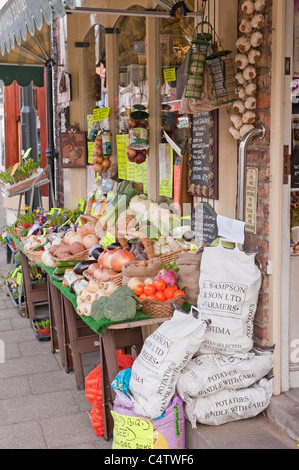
[
  {"x": 175, "y": 287},
  {"x": 160, "y": 285},
  {"x": 169, "y": 292},
  {"x": 142, "y": 297},
  {"x": 150, "y": 289},
  {"x": 161, "y": 296},
  {"x": 179, "y": 292},
  {"x": 152, "y": 297},
  {"x": 139, "y": 290}
]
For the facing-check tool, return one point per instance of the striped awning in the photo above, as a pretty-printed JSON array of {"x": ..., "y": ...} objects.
[{"x": 25, "y": 39}]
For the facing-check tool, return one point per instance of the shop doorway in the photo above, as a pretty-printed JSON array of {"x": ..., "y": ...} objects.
[{"x": 290, "y": 218}]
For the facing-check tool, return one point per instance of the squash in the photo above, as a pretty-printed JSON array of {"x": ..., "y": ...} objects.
[{"x": 68, "y": 236}]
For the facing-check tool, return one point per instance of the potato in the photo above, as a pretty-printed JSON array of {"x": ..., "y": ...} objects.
[
  {"x": 63, "y": 252},
  {"x": 53, "y": 249},
  {"x": 76, "y": 248}
]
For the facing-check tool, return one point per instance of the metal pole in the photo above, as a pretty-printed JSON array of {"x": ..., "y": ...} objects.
[
  {"x": 29, "y": 132},
  {"x": 258, "y": 131},
  {"x": 51, "y": 153}
]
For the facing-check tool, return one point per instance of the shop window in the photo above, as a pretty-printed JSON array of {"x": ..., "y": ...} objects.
[
  {"x": 174, "y": 46},
  {"x": 131, "y": 65},
  {"x": 94, "y": 66}
]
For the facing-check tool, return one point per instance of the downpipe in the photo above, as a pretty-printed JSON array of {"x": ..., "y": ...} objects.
[{"x": 260, "y": 132}]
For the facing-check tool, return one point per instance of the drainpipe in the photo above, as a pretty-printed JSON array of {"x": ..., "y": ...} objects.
[
  {"x": 51, "y": 153},
  {"x": 256, "y": 132}
]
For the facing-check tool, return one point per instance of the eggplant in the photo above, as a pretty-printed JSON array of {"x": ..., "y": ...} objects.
[
  {"x": 83, "y": 265},
  {"x": 97, "y": 251},
  {"x": 113, "y": 246}
]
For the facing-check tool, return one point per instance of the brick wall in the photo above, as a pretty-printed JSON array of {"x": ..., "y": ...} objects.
[
  {"x": 56, "y": 58},
  {"x": 259, "y": 157}
]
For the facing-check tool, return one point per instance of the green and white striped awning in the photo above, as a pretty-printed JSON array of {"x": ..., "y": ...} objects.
[{"x": 18, "y": 17}]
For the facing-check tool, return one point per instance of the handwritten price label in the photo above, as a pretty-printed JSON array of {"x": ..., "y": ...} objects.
[
  {"x": 99, "y": 114},
  {"x": 170, "y": 75}
]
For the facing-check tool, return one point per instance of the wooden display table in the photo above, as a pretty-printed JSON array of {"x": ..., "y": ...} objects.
[{"x": 34, "y": 294}]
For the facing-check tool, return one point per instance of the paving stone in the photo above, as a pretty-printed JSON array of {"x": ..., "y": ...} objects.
[
  {"x": 37, "y": 407},
  {"x": 14, "y": 387},
  {"x": 56, "y": 380},
  {"x": 34, "y": 347},
  {"x": 22, "y": 436},
  {"x": 27, "y": 366},
  {"x": 5, "y": 325},
  {"x": 72, "y": 430}
]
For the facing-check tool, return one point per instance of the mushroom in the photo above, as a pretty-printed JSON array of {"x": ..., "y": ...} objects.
[
  {"x": 248, "y": 117},
  {"x": 253, "y": 56},
  {"x": 256, "y": 39},
  {"x": 248, "y": 7},
  {"x": 249, "y": 73},
  {"x": 243, "y": 44},
  {"x": 241, "y": 61},
  {"x": 238, "y": 107},
  {"x": 235, "y": 133},
  {"x": 246, "y": 26},
  {"x": 250, "y": 102},
  {"x": 260, "y": 5},
  {"x": 240, "y": 79},
  {"x": 250, "y": 89},
  {"x": 245, "y": 129},
  {"x": 236, "y": 119},
  {"x": 258, "y": 21}
]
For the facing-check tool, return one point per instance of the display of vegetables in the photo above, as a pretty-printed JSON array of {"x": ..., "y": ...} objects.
[{"x": 118, "y": 205}]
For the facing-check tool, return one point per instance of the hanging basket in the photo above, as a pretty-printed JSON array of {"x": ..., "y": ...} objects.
[{"x": 210, "y": 68}]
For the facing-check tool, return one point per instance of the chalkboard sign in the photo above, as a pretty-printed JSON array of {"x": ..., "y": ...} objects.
[
  {"x": 203, "y": 156},
  {"x": 204, "y": 224}
]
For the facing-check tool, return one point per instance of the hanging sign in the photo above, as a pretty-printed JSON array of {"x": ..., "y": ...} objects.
[
  {"x": 251, "y": 200},
  {"x": 203, "y": 156},
  {"x": 122, "y": 141},
  {"x": 166, "y": 170},
  {"x": 204, "y": 224}
]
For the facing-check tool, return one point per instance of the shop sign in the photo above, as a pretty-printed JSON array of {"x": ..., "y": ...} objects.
[
  {"x": 73, "y": 148},
  {"x": 251, "y": 200},
  {"x": 204, "y": 224}
]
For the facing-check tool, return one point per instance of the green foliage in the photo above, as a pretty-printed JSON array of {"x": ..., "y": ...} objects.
[{"x": 24, "y": 171}]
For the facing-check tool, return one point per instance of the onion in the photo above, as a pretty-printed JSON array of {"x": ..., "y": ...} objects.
[
  {"x": 106, "y": 163},
  {"x": 131, "y": 153},
  {"x": 120, "y": 258},
  {"x": 98, "y": 274},
  {"x": 106, "y": 259},
  {"x": 134, "y": 282},
  {"x": 92, "y": 269},
  {"x": 107, "y": 274},
  {"x": 140, "y": 158}
]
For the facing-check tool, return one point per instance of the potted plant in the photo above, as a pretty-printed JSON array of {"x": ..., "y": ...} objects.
[{"x": 41, "y": 328}]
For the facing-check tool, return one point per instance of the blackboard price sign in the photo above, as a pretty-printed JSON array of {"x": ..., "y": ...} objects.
[
  {"x": 204, "y": 224},
  {"x": 203, "y": 156}
]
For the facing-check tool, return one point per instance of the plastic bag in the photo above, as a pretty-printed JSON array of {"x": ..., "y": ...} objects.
[
  {"x": 93, "y": 391},
  {"x": 135, "y": 432},
  {"x": 164, "y": 354},
  {"x": 230, "y": 405},
  {"x": 208, "y": 374},
  {"x": 229, "y": 286}
]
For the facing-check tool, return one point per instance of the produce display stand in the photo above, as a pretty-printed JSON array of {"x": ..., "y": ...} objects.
[
  {"x": 40, "y": 180},
  {"x": 74, "y": 335},
  {"x": 34, "y": 294}
]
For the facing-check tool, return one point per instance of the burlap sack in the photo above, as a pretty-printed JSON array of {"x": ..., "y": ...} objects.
[
  {"x": 145, "y": 270},
  {"x": 189, "y": 265}
]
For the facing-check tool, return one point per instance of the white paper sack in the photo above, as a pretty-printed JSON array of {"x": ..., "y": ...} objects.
[
  {"x": 229, "y": 285},
  {"x": 165, "y": 353},
  {"x": 230, "y": 405},
  {"x": 208, "y": 374}
]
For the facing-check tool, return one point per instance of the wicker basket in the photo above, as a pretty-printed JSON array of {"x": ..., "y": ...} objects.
[
  {"x": 35, "y": 256},
  {"x": 143, "y": 238},
  {"x": 156, "y": 309},
  {"x": 80, "y": 257}
]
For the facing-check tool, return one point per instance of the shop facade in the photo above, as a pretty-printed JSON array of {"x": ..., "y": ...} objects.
[
  {"x": 106, "y": 59},
  {"x": 115, "y": 38}
]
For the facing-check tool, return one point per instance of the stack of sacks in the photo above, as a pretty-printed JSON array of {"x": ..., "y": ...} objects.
[{"x": 224, "y": 381}]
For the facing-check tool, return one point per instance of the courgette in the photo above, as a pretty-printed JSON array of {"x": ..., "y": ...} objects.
[
  {"x": 66, "y": 264},
  {"x": 57, "y": 278}
]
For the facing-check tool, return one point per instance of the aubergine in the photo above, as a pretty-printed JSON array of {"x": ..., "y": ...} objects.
[
  {"x": 83, "y": 265},
  {"x": 96, "y": 250},
  {"x": 113, "y": 246}
]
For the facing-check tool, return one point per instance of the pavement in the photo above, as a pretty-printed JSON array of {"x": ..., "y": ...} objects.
[{"x": 41, "y": 407}]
